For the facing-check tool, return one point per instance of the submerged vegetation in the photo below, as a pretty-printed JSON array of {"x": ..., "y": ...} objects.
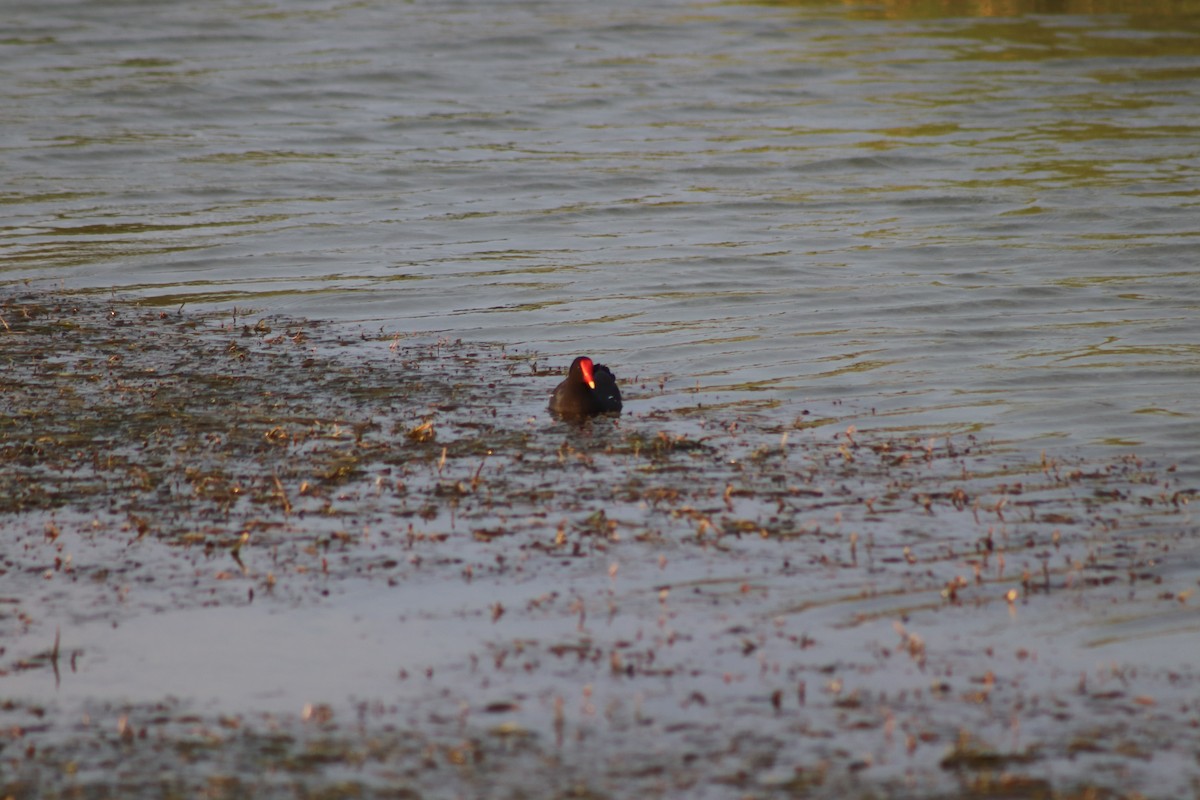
[{"x": 728, "y": 601}]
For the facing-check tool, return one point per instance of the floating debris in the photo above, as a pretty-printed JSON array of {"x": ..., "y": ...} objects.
[{"x": 624, "y": 607}]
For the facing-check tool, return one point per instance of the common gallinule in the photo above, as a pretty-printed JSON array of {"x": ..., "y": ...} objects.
[{"x": 588, "y": 389}]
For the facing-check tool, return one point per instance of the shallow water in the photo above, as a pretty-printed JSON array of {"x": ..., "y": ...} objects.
[
  {"x": 959, "y": 219},
  {"x": 264, "y": 539},
  {"x": 917, "y": 219}
]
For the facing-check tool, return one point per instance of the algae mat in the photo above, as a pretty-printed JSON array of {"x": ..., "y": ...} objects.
[{"x": 259, "y": 557}]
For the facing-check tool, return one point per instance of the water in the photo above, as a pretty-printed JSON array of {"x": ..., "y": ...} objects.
[
  {"x": 964, "y": 221},
  {"x": 944, "y": 218}
]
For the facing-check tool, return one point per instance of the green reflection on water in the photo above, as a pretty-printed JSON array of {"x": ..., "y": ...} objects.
[
  {"x": 21, "y": 199},
  {"x": 1038, "y": 40},
  {"x": 1024, "y": 31},
  {"x": 1142, "y": 11}
]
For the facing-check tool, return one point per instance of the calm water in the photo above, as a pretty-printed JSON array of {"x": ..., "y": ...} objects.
[
  {"x": 944, "y": 217},
  {"x": 974, "y": 216}
]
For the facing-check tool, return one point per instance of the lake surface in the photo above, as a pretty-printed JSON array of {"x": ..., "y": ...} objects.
[
  {"x": 916, "y": 218},
  {"x": 963, "y": 216}
]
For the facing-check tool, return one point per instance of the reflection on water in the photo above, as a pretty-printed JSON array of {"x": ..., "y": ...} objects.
[
  {"x": 947, "y": 219},
  {"x": 1143, "y": 13},
  {"x": 978, "y": 212}
]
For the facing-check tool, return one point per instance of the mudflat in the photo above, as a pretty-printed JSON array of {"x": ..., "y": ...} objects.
[{"x": 252, "y": 556}]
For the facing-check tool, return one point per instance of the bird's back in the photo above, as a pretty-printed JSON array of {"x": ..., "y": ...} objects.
[{"x": 607, "y": 395}]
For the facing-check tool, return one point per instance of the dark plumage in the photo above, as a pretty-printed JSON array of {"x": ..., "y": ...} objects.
[{"x": 588, "y": 389}]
